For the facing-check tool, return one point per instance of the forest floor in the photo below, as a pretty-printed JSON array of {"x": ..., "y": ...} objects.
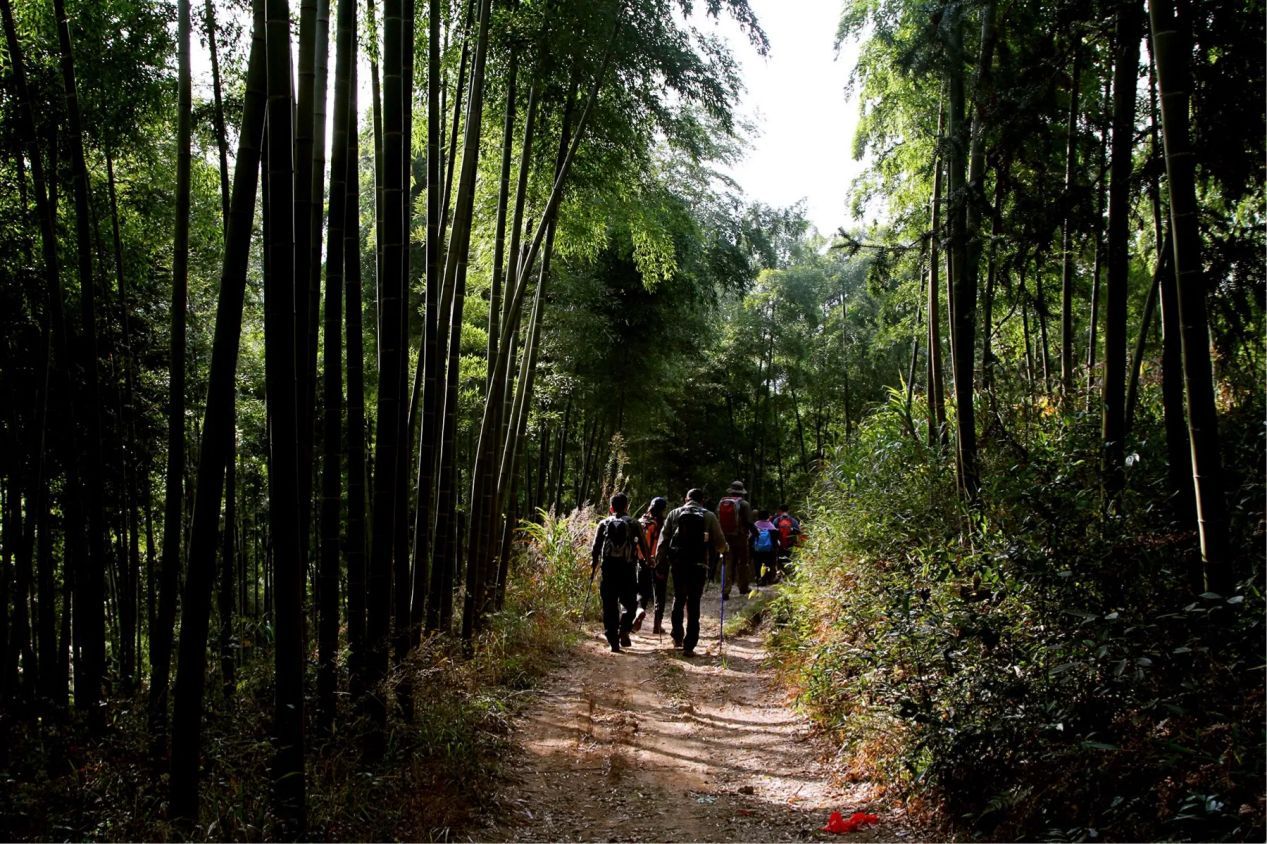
[{"x": 647, "y": 745}]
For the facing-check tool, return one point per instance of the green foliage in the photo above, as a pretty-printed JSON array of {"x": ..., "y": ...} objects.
[{"x": 1052, "y": 676}]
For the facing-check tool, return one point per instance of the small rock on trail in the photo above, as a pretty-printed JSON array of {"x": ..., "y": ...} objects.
[{"x": 647, "y": 745}]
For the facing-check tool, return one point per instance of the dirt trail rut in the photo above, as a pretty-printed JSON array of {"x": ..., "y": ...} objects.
[{"x": 650, "y": 746}]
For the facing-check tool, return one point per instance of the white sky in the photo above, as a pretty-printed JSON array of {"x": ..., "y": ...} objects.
[{"x": 796, "y": 98}]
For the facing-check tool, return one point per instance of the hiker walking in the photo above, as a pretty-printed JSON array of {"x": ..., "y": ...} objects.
[
  {"x": 735, "y": 515},
  {"x": 764, "y": 546},
  {"x": 653, "y": 577},
  {"x": 690, "y": 536},
  {"x": 789, "y": 535},
  {"x": 617, "y": 544}
]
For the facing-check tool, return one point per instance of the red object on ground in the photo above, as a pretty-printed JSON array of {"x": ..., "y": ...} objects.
[{"x": 837, "y": 823}]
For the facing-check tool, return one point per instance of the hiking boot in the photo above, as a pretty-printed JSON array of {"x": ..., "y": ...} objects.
[
  {"x": 677, "y": 641},
  {"x": 624, "y": 640},
  {"x": 616, "y": 649},
  {"x": 688, "y": 652},
  {"x": 658, "y": 629},
  {"x": 638, "y": 617},
  {"x": 725, "y": 596}
]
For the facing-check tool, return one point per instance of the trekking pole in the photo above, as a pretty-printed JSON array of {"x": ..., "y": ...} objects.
[{"x": 721, "y": 632}]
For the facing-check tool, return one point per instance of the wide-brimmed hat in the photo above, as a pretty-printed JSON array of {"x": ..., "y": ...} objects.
[{"x": 738, "y": 487}]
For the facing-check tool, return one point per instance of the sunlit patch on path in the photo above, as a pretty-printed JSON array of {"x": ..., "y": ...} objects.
[{"x": 647, "y": 745}]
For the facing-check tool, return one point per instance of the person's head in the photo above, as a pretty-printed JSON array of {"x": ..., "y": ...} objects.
[
  {"x": 695, "y": 495},
  {"x": 762, "y": 515},
  {"x": 658, "y": 506},
  {"x": 736, "y": 488},
  {"x": 782, "y": 508},
  {"x": 619, "y": 503}
]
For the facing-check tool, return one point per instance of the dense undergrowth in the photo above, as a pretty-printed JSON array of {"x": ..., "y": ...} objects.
[
  {"x": 1059, "y": 675},
  {"x": 436, "y": 776}
]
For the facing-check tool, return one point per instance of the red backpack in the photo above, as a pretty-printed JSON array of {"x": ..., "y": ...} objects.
[
  {"x": 784, "y": 523},
  {"x": 728, "y": 515}
]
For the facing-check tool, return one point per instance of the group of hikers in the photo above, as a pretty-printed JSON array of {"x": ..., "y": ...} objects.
[{"x": 638, "y": 556}]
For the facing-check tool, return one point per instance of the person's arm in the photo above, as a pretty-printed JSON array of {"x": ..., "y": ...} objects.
[
  {"x": 597, "y": 551},
  {"x": 666, "y": 535}
]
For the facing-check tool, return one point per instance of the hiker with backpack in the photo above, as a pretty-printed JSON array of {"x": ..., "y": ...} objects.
[
  {"x": 764, "y": 546},
  {"x": 617, "y": 545},
  {"x": 653, "y": 577},
  {"x": 734, "y": 513},
  {"x": 789, "y": 530},
  {"x": 690, "y": 537}
]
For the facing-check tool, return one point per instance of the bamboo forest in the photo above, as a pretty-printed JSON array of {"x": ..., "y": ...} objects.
[{"x": 413, "y": 426}]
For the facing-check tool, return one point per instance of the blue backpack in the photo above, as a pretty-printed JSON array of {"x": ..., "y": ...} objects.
[{"x": 764, "y": 543}]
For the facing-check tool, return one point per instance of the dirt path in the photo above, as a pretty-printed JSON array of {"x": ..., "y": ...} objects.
[{"x": 647, "y": 745}]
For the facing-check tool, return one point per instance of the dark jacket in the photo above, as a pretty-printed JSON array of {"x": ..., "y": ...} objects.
[
  {"x": 711, "y": 525},
  {"x": 600, "y": 536}
]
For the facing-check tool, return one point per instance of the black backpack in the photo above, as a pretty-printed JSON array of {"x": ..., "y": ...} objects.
[
  {"x": 620, "y": 540},
  {"x": 691, "y": 536}
]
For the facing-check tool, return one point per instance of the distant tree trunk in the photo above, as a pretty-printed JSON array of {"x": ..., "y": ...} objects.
[
  {"x": 429, "y": 436},
  {"x": 216, "y": 451},
  {"x": 957, "y": 153},
  {"x": 1145, "y": 327},
  {"x": 503, "y": 200},
  {"x": 390, "y": 419},
  {"x": 1067, "y": 277},
  {"x": 222, "y": 142},
  {"x": 316, "y": 223},
  {"x": 459, "y": 87},
  {"x": 173, "y": 529},
  {"x": 356, "y": 543},
  {"x": 1178, "y": 458},
  {"x": 560, "y": 461},
  {"x": 965, "y": 246},
  {"x": 1040, "y": 311},
  {"x": 508, "y": 475},
  {"x": 52, "y": 680},
  {"x": 342, "y": 168},
  {"x": 282, "y": 294},
  {"x": 988, "y": 297},
  {"x": 460, "y": 236},
  {"x": 309, "y": 161},
  {"x": 1101, "y": 193},
  {"x": 128, "y": 662},
  {"x": 936, "y": 382},
  {"x": 1172, "y": 40},
  {"x": 90, "y": 572},
  {"x": 1113, "y": 392},
  {"x": 228, "y": 567}
]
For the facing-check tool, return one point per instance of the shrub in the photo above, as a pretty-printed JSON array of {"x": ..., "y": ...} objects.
[{"x": 1049, "y": 673}]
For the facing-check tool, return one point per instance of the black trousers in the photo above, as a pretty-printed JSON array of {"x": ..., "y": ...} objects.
[
  {"x": 661, "y": 577},
  {"x": 619, "y": 588},
  {"x": 688, "y": 588},
  {"x": 763, "y": 566},
  {"x": 646, "y": 589}
]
